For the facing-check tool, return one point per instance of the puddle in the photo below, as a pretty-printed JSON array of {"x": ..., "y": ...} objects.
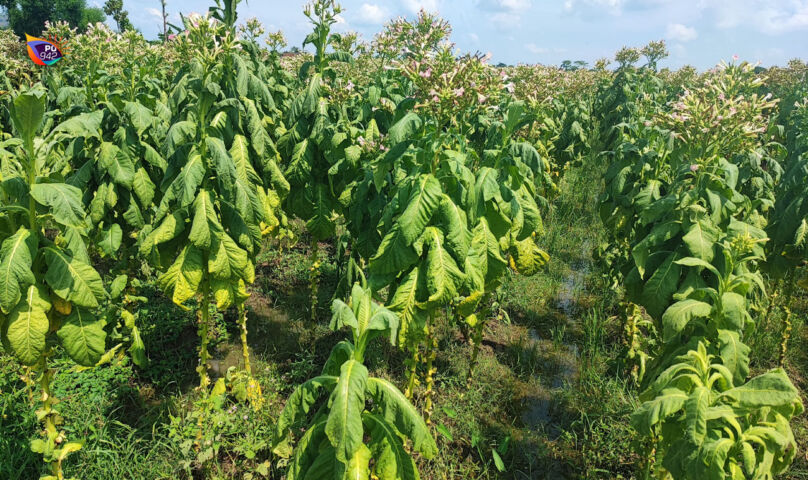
[{"x": 560, "y": 359}]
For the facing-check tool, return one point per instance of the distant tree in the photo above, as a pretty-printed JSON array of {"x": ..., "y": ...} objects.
[
  {"x": 91, "y": 16},
  {"x": 570, "y": 66},
  {"x": 29, "y": 16},
  {"x": 501, "y": 65},
  {"x": 114, "y": 8}
]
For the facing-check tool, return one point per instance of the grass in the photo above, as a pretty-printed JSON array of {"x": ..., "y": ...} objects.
[{"x": 548, "y": 397}]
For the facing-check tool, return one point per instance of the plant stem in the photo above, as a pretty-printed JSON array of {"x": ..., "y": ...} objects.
[
  {"x": 314, "y": 277},
  {"x": 413, "y": 374},
  {"x": 785, "y": 337},
  {"x": 772, "y": 301},
  {"x": 245, "y": 348},
  {"x": 49, "y": 416},
  {"x": 204, "y": 320},
  {"x": 431, "y": 353}
]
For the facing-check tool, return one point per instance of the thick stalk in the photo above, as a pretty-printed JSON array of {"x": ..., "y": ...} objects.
[
  {"x": 772, "y": 301},
  {"x": 204, "y": 321},
  {"x": 413, "y": 373},
  {"x": 245, "y": 348},
  {"x": 431, "y": 353},
  {"x": 785, "y": 337},
  {"x": 49, "y": 415},
  {"x": 314, "y": 277}
]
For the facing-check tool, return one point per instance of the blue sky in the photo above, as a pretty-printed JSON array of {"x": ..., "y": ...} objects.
[{"x": 698, "y": 32}]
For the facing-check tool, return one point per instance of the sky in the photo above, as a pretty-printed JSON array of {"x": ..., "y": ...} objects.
[{"x": 698, "y": 32}]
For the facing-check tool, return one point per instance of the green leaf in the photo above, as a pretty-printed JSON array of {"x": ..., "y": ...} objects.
[
  {"x": 654, "y": 411},
  {"x": 405, "y": 302},
  {"x": 394, "y": 407},
  {"x": 734, "y": 354},
  {"x": 139, "y": 115},
  {"x": 182, "y": 279},
  {"x": 169, "y": 228},
  {"x": 678, "y": 315},
  {"x": 487, "y": 184},
  {"x": 394, "y": 255},
  {"x": 64, "y": 201},
  {"x": 84, "y": 125},
  {"x": 312, "y": 447},
  {"x": 344, "y": 425},
  {"x": 498, "y": 461},
  {"x": 83, "y": 337},
  {"x": 27, "y": 111},
  {"x": 341, "y": 353},
  {"x": 405, "y": 128},
  {"x": 109, "y": 239},
  {"x": 659, "y": 235},
  {"x": 443, "y": 277},
  {"x": 255, "y": 126},
  {"x": 528, "y": 258},
  {"x": 772, "y": 389},
  {"x": 16, "y": 257},
  {"x": 700, "y": 239},
  {"x": 697, "y": 262},
  {"x": 205, "y": 223},
  {"x": 299, "y": 405},
  {"x": 659, "y": 289},
  {"x": 320, "y": 225},
  {"x": 28, "y": 324},
  {"x": 117, "y": 164},
  {"x": 179, "y": 134},
  {"x": 696, "y": 414},
  {"x": 392, "y": 462},
  {"x": 425, "y": 195},
  {"x": 189, "y": 179},
  {"x": 143, "y": 187},
  {"x": 300, "y": 165},
  {"x": 342, "y": 315},
  {"x": 73, "y": 279}
]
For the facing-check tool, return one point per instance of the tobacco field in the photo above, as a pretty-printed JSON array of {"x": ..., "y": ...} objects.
[{"x": 388, "y": 259}]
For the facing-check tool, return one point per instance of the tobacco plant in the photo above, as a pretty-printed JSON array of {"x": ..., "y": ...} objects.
[
  {"x": 221, "y": 180},
  {"x": 49, "y": 291},
  {"x": 694, "y": 227},
  {"x": 366, "y": 428},
  {"x": 453, "y": 221},
  {"x": 320, "y": 157}
]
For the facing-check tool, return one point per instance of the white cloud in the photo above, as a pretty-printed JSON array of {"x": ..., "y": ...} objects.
[
  {"x": 504, "y": 20},
  {"x": 772, "y": 17},
  {"x": 415, "y": 6},
  {"x": 505, "y": 5},
  {"x": 533, "y": 48},
  {"x": 372, "y": 14},
  {"x": 680, "y": 32},
  {"x": 155, "y": 13},
  {"x": 474, "y": 37},
  {"x": 586, "y": 6}
]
